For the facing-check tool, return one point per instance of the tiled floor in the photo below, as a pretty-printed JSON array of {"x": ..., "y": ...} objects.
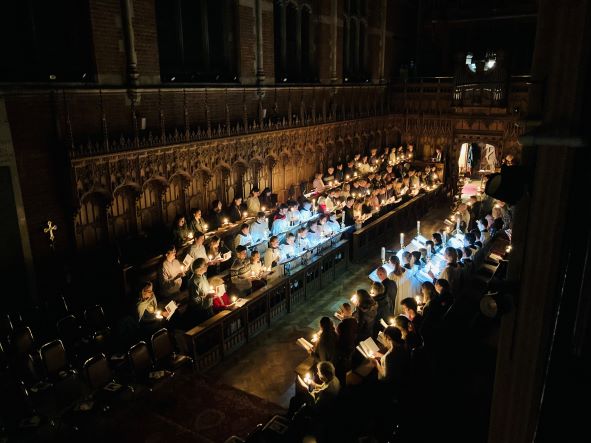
[{"x": 265, "y": 366}]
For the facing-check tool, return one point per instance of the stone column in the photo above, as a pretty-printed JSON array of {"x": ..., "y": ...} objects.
[
  {"x": 259, "y": 25},
  {"x": 133, "y": 74}
]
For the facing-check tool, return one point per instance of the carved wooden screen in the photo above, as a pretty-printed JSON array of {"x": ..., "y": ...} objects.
[
  {"x": 196, "y": 192},
  {"x": 151, "y": 205},
  {"x": 91, "y": 222},
  {"x": 122, "y": 214},
  {"x": 174, "y": 199}
]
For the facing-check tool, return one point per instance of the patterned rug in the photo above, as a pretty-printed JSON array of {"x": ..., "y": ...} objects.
[{"x": 185, "y": 408}]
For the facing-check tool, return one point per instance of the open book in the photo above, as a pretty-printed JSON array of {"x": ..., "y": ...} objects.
[
  {"x": 305, "y": 344},
  {"x": 226, "y": 256},
  {"x": 383, "y": 323},
  {"x": 382, "y": 339},
  {"x": 187, "y": 261},
  {"x": 368, "y": 348},
  {"x": 170, "y": 308}
]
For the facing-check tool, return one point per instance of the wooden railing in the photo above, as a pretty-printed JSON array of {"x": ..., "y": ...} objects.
[
  {"x": 370, "y": 238},
  {"x": 227, "y": 331}
]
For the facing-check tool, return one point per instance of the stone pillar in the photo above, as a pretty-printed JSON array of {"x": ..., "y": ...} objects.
[
  {"x": 259, "y": 55},
  {"x": 133, "y": 74},
  {"x": 540, "y": 371}
]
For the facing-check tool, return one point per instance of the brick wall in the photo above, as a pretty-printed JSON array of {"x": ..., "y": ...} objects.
[
  {"x": 247, "y": 42},
  {"x": 108, "y": 44},
  {"x": 146, "y": 41}
]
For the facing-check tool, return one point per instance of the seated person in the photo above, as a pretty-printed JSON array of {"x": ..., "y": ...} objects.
[
  {"x": 241, "y": 274},
  {"x": 259, "y": 230},
  {"x": 171, "y": 274},
  {"x": 216, "y": 216},
  {"x": 315, "y": 235},
  {"x": 318, "y": 184},
  {"x": 329, "y": 177},
  {"x": 332, "y": 222},
  {"x": 280, "y": 222},
  {"x": 200, "y": 292},
  {"x": 243, "y": 238},
  {"x": 149, "y": 316},
  {"x": 197, "y": 223},
  {"x": 221, "y": 300},
  {"x": 256, "y": 265},
  {"x": 272, "y": 254},
  {"x": 197, "y": 249},
  {"x": 302, "y": 241},
  {"x": 235, "y": 210},
  {"x": 181, "y": 233},
  {"x": 288, "y": 249},
  {"x": 293, "y": 214},
  {"x": 306, "y": 211}
]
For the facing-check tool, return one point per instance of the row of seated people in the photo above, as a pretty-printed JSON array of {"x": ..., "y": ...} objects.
[{"x": 372, "y": 188}]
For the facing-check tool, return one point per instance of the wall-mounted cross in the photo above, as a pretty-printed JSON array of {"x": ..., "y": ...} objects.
[{"x": 49, "y": 230}]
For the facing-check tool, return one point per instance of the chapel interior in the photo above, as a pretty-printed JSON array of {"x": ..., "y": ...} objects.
[{"x": 295, "y": 221}]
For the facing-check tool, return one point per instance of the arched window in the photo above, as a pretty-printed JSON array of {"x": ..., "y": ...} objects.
[
  {"x": 46, "y": 41},
  {"x": 196, "y": 40},
  {"x": 355, "y": 41},
  {"x": 294, "y": 42}
]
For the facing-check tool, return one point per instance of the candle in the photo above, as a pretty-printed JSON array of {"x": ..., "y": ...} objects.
[
  {"x": 205, "y": 227},
  {"x": 314, "y": 338},
  {"x": 263, "y": 209},
  {"x": 383, "y": 254},
  {"x": 354, "y": 299},
  {"x": 210, "y": 257},
  {"x": 225, "y": 221},
  {"x": 418, "y": 299},
  {"x": 159, "y": 314},
  {"x": 307, "y": 378},
  {"x": 429, "y": 251},
  {"x": 347, "y": 177},
  {"x": 418, "y": 227},
  {"x": 245, "y": 214},
  {"x": 458, "y": 219},
  {"x": 233, "y": 298},
  {"x": 190, "y": 235},
  {"x": 402, "y": 240},
  {"x": 391, "y": 321},
  {"x": 355, "y": 174}
]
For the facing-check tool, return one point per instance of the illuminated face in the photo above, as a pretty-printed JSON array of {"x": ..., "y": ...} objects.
[
  {"x": 241, "y": 255},
  {"x": 274, "y": 243},
  {"x": 170, "y": 255},
  {"x": 197, "y": 215}
]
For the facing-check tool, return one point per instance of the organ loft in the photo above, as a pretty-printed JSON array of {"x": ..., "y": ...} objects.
[{"x": 183, "y": 179}]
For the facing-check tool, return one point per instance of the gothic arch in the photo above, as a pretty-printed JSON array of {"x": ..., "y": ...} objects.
[{"x": 91, "y": 226}]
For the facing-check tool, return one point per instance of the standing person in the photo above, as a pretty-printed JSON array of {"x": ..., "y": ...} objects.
[
  {"x": 378, "y": 292},
  {"x": 365, "y": 314},
  {"x": 394, "y": 364},
  {"x": 452, "y": 271},
  {"x": 325, "y": 348},
  {"x": 253, "y": 204},
  {"x": 200, "y": 292},
  {"x": 390, "y": 287},
  {"x": 410, "y": 308}
]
